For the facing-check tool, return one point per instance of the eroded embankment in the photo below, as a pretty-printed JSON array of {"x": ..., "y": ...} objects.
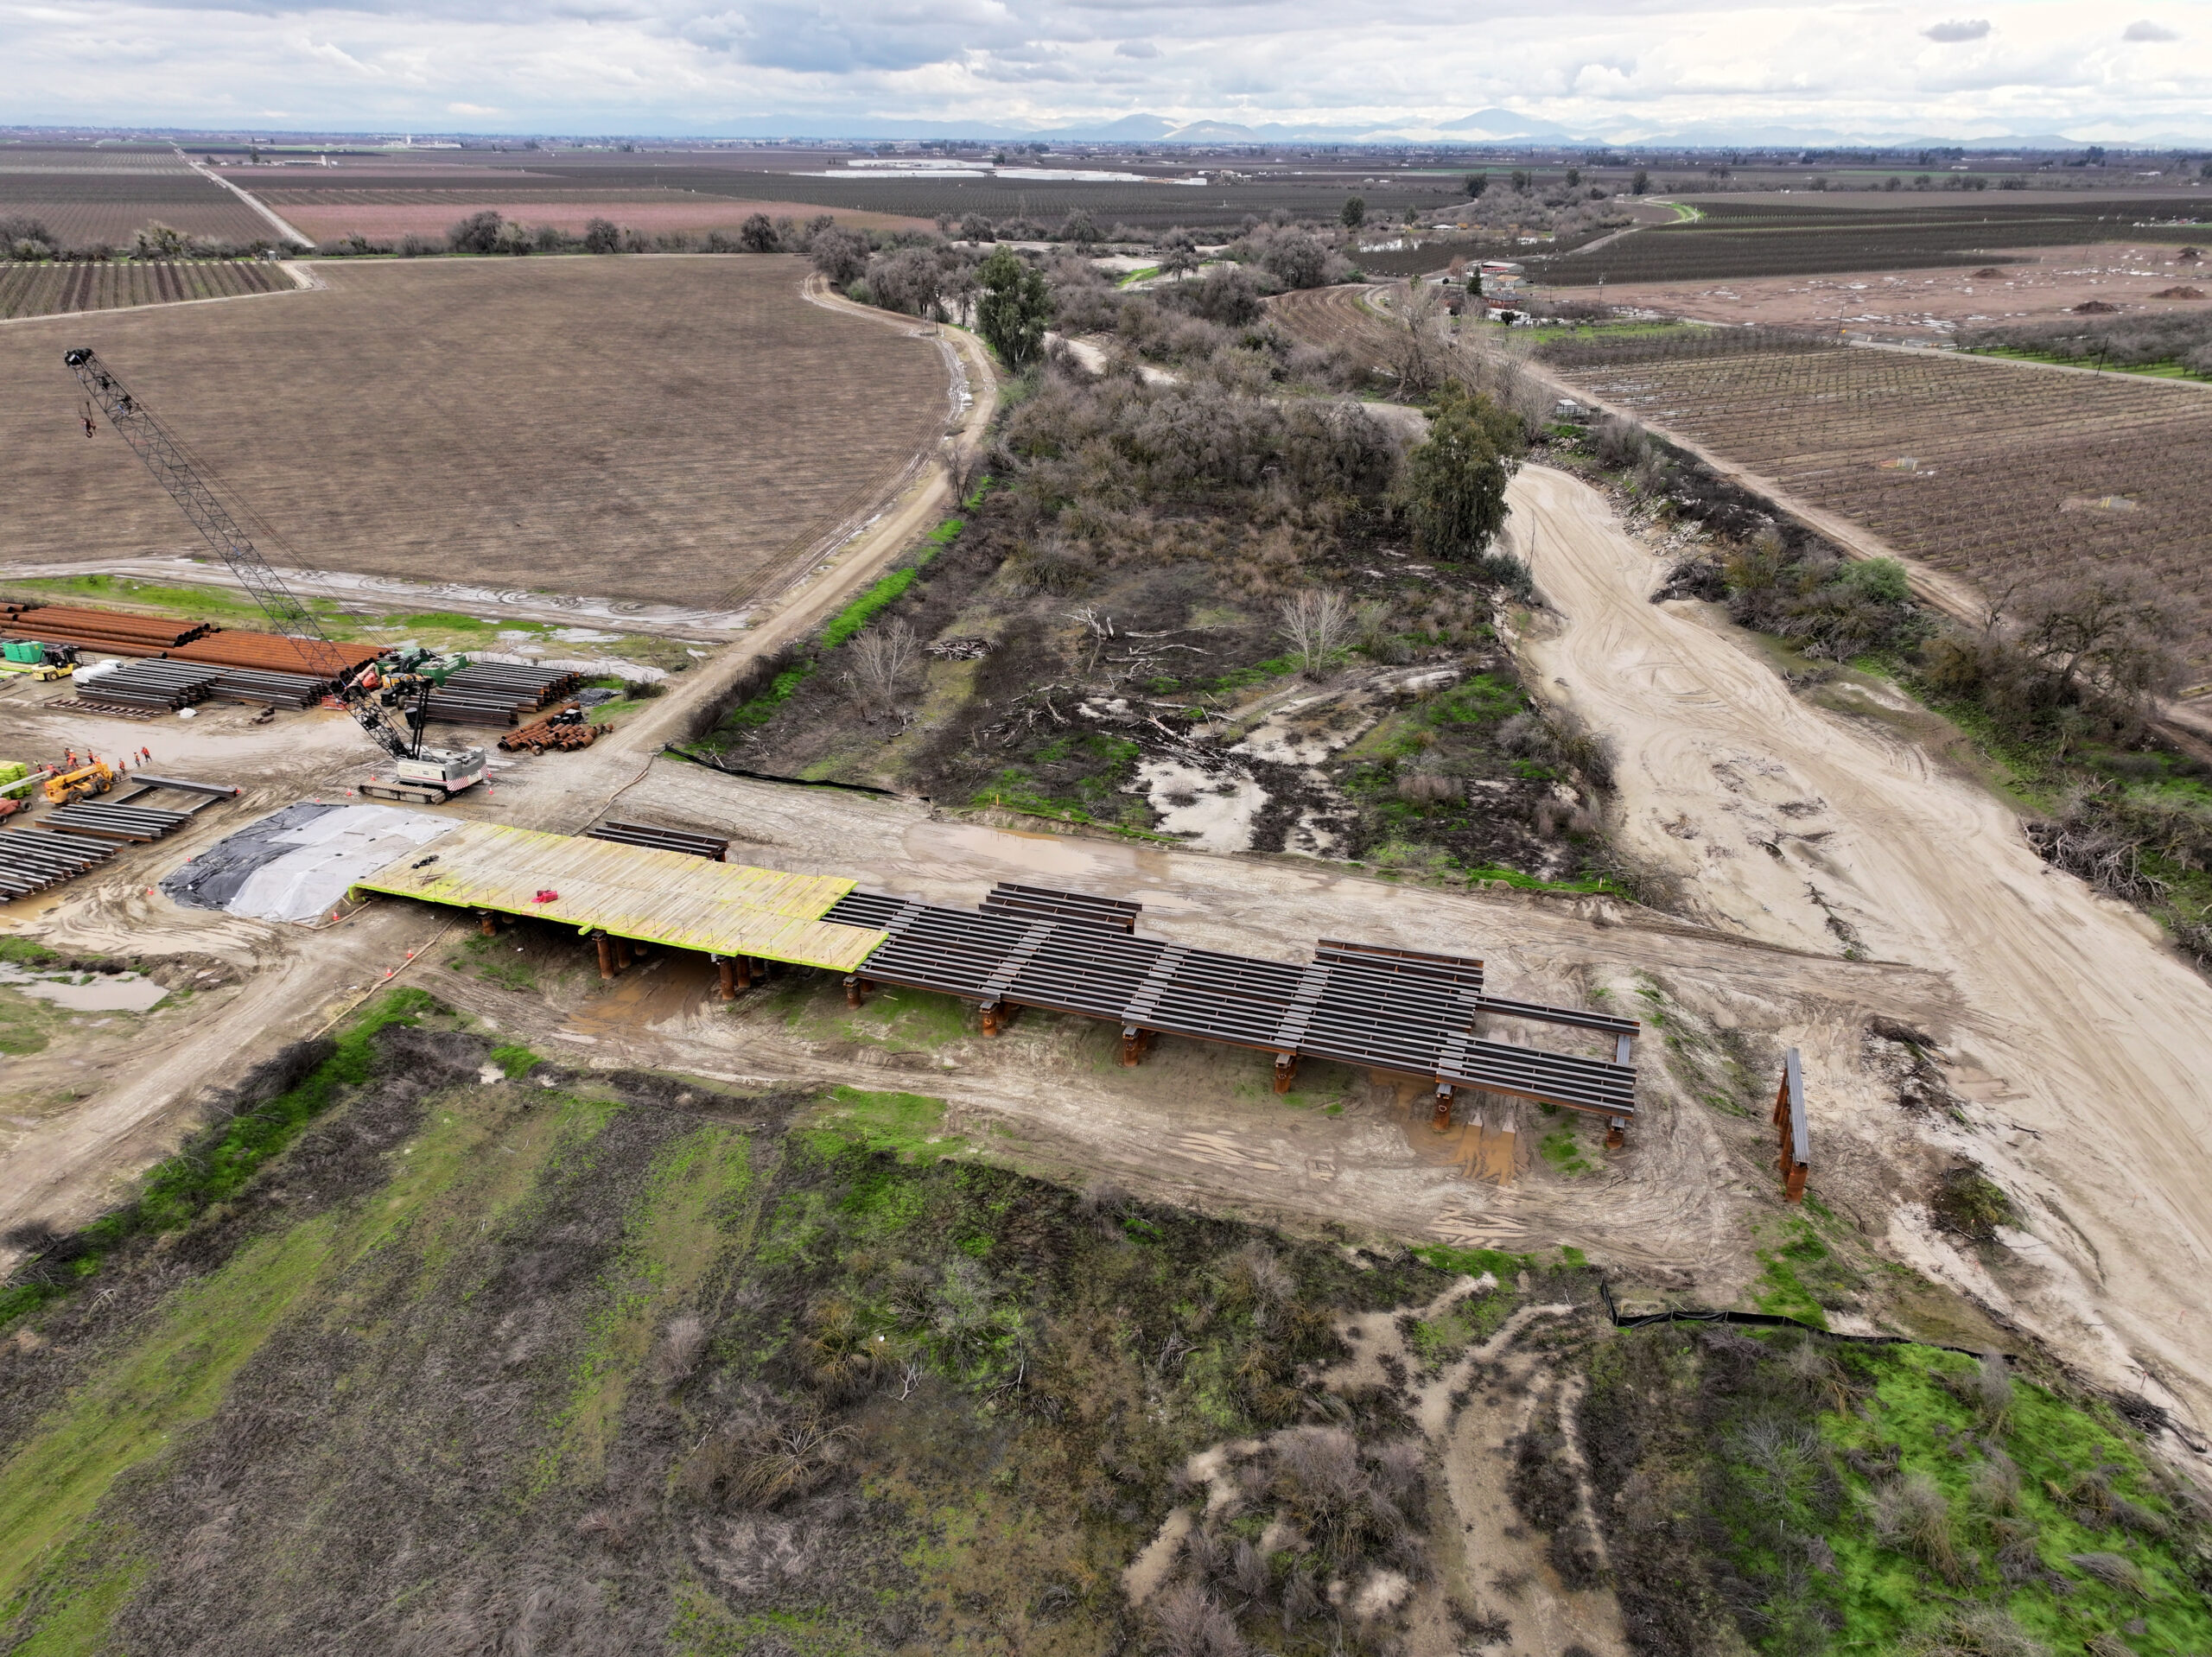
[{"x": 1784, "y": 821}]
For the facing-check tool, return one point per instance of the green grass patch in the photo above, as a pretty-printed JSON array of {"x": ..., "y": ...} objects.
[
  {"x": 669, "y": 1239},
  {"x": 1472, "y": 1262},
  {"x": 515, "y": 1060},
  {"x": 179, "y": 1189},
  {"x": 1562, "y": 1148},
  {"x": 908, "y": 1125},
  {"x": 25, "y": 952}
]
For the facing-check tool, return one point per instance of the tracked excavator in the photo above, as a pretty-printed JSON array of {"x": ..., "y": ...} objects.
[{"x": 420, "y": 775}]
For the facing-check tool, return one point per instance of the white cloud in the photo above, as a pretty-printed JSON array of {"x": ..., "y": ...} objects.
[
  {"x": 2147, "y": 30},
  {"x": 1611, "y": 70}
]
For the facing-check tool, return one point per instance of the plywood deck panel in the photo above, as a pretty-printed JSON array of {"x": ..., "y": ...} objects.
[{"x": 666, "y": 898}]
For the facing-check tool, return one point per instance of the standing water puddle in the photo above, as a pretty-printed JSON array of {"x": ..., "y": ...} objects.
[{"x": 123, "y": 991}]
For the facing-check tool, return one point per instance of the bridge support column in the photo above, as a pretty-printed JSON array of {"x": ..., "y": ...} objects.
[
  {"x": 1441, "y": 1119},
  {"x": 1286, "y": 1071},
  {"x": 607, "y": 968},
  {"x": 1135, "y": 1043}
]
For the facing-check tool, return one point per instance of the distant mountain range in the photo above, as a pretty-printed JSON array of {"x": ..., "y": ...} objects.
[{"x": 1484, "y": 129}]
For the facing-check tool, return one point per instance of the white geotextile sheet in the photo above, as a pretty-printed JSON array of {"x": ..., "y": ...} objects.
[{"x": 334, "y": 850}]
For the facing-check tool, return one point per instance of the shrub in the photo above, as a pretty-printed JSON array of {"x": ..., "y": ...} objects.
[
  {"x": 758, "y": 235},
  {"x": 838, "y": 254},
  {"x": 602, "y": 236},
  {"x": 478, "y": 233}
]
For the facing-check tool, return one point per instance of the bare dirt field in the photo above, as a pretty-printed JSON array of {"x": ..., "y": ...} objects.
[
  {"x": 387, "y": 215},
  {"x": 1988, "y": 470},
  {"x": 685, "y": 430},
  {"x": 1933, "y": 304}
]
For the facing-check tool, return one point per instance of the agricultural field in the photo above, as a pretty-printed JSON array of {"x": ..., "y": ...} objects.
[
  {"x": 2031, "y": 285},
  {"x": 91, "y": 199},
  {"x": 49, "y": 289},
  {"x": 1148, "y": 207},
  {"x": 386, "y": 215},
  {"x": 1997, "y": 471},
  {"x": 665, "y": 430},
  {"x": 1737, "y": 237}
]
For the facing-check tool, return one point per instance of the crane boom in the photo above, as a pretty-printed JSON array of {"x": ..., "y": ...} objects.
[{"x": 151, "y": 442}]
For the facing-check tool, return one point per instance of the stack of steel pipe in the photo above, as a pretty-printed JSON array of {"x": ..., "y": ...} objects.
[
  {"x": 282, "y": 689},
  {"x": 31, "y": 863},
  {"x": 154, "y": 686},
  {"x": 106, "y": 630},
  {"x": 496, "y": 693},
  {"x": 275, "y": 653},
  {"x": 107, "y": 822}
]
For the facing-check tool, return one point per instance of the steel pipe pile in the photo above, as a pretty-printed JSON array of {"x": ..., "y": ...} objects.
[
  {"x": 107, "y": 631},
  {"x": 275, "y": 653},
  {"x": 33, "y": 862},
  {"x": 520, "y": 687},
  {"x": 154, "y": 685}
]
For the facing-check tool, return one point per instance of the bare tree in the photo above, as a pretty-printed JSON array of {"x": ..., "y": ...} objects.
[
  {"x": 2105, "y": 629},
  {"x": 1421, "y": 350},
  {"x": 1317, "y": 623},
  {"x": 882, "y": 658}
]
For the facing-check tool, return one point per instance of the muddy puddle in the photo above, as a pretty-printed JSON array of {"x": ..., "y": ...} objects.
[{"x": 123, "y": 991}]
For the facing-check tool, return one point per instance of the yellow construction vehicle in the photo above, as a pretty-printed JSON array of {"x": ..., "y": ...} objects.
[
  {"x": 66, "y": 788},
  {"x": 43, "y": 672}
]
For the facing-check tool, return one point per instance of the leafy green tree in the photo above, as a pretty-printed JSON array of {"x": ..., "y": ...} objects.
[
  {"x": 1640, "y": 183},
  {"x": 1354, "y": 212},
  {"x": 1454, "y": 487},
  {"x": 758, "y": 235},
  {"x": 1477, "y": 183},
  {"x": 1014, "y": 308}
]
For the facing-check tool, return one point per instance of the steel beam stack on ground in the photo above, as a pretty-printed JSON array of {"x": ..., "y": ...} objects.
[
  {"x": 271, "y": 653},
  {"x": 657, "y": 838},
  {"x": 108, "y": 821},
  {"x": 1394, "y": 1010},
  {"x": 32, "y": 862}
]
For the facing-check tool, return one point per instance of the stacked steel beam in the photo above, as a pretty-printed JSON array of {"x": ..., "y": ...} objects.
[
  {"x": 495, "y": 693},
  {"x": 654, "y": 838},
  {"x": 108, "y": 632},
  {"x": 108, "y": 821},
  {"x": 31, "y": 863}
]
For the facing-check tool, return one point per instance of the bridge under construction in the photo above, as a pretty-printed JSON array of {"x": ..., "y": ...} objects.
[{"x": 1383, "y": 1008}]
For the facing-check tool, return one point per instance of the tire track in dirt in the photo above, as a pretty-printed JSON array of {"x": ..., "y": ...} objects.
[{"x": 1786, "y": 821}]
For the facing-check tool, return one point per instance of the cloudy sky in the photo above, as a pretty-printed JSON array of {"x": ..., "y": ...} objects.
[{"x": 1615, "y": 69}]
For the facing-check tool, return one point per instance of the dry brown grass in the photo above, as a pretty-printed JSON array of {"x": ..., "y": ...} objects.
[{"x": 682, "y": 430}]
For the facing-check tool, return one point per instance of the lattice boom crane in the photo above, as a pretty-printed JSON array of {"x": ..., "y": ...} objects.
[
  {"x": 150, "y": 442},
  {"x": 425, "y": 776}
]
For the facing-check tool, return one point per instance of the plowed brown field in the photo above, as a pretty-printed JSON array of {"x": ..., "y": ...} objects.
[{"x": 685, "y": 430}]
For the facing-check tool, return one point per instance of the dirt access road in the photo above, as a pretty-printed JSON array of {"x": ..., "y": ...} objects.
[
  {"x": 1812, "y": 827},
  {"x": 67, "y": 1166}
]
